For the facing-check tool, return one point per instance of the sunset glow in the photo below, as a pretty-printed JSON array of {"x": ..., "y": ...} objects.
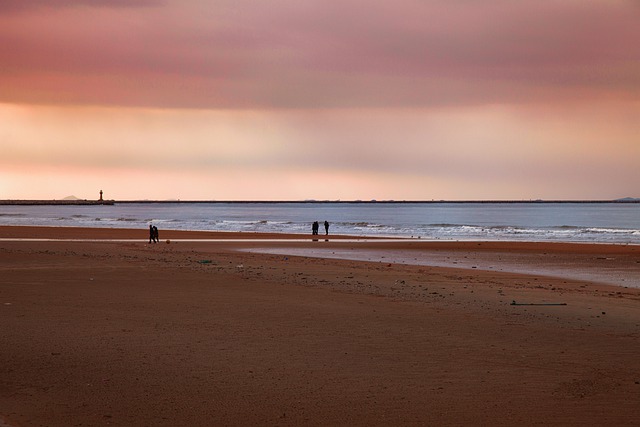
[{"x": 287, "y": 100}]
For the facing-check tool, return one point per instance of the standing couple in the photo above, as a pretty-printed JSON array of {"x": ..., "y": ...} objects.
[
  {"x": 315, "y": 226},
  {"x": 153, "y": 234}
]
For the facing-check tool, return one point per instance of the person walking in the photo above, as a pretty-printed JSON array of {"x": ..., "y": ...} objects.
[{"x": 326, "y": 228}]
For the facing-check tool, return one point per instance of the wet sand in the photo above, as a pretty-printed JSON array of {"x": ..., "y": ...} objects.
[
  {"x": 610, "y": 264},
  {"x": 205, "y": 333}
]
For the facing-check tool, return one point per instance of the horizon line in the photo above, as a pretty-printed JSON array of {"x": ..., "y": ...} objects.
[{"x": 308, "y": 201}]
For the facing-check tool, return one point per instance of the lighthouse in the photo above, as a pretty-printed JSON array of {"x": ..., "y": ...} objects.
[{"x": 100, "y": 196}]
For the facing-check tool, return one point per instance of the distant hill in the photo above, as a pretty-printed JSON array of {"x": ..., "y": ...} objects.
[
  {"x": 628, "y": 199},
  {"x": 71, "y": 198}
]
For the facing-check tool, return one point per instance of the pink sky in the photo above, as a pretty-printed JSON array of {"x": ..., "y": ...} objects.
[{"x": 286, "y": 99}]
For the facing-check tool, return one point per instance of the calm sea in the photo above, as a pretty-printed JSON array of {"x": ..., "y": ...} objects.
[{"x": 569, "y": 222}]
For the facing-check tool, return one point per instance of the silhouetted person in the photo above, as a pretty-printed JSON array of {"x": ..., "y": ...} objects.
[
  {"x": 153, "y": 234},
  {"x": 314, "y": 228},
  {"x": 326, "y": 228}
]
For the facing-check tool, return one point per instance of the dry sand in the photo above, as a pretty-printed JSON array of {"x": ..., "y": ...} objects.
[{"x": 184, "y": 333}]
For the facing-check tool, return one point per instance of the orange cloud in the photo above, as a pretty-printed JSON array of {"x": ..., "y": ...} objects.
[{"x": 318, "y": 54}]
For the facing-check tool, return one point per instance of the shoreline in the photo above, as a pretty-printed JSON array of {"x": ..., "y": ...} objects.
[
  {"x": 606, "y": 263},
  {"x": 202, "y": 332},
  {"x": 8, "y": 232}
]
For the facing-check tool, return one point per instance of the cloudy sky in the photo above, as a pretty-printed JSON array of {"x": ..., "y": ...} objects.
[{"x": 320, "y": 99}]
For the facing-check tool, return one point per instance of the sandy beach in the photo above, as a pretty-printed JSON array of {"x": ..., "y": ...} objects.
[{"x": 99, "y": 327}]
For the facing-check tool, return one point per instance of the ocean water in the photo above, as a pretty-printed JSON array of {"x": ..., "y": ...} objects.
[{"x": 564, "y": 222}]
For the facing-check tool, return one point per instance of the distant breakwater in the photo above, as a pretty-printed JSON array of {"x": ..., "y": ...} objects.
[{"x": 56, "y": 202}]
